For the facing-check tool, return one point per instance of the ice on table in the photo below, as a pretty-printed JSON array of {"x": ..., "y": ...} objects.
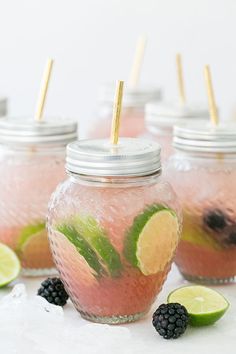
[{"x": 32, "y": 325}]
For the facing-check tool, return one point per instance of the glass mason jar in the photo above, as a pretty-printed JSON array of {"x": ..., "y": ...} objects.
[
  {"x": 32, "y": 158},
  {"x": 113, "y": 228},
  {"x": 203, "y": 172},
  {"x": 132, "y": 115},
  {"x": 160, "y": 118}
]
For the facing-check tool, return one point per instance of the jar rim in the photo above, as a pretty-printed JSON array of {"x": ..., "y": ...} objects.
[
  {"x": 167, "y": 114},
  {"x": 137, "y": 97},
  {"x": 27, "y": 131},
  {"x": 205, "y": 137}
]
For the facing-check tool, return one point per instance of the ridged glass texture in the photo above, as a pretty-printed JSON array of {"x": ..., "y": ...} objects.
[
  {"x": 127, "y": 295},
  {"x": 28, "y": 177},
  {"x": 206, "y": 188}
]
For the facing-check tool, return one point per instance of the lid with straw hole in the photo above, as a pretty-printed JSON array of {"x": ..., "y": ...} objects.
[
  {"x": 38, "y": 130},
  {"x": 117, "y": 157},
  {"x": 24, "y": 131},
  {"x": 212, "y": 136}
]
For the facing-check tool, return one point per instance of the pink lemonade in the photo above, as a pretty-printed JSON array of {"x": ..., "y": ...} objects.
[
  {"x": 132, "y": 124},
  {"x": 104, "y": 235},
  {"x": 203, "y": 171},
  {"x": 132, "y": 116},
  {"x": 30, "y": 172},
  {"x": 24, "y": 206}
]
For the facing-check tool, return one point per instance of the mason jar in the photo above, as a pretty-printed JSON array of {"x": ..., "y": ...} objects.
[
  {"x": 203, "y": 172},
  {"x": 32, "y": 158},
  {"x": 160, "y": 118},
  {"x": 132, "y": 114},
  {"x": 114, "y": 225}
]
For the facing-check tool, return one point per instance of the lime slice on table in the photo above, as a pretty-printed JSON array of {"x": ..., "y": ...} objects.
[
  {"x": 9, "y": 265},
  {"x": 92, "y": 243},
  {"x": 204, "y": 305},
  {"x": 151, "y": 241}
]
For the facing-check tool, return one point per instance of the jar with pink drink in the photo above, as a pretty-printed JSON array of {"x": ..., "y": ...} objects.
[
  {"x": 32, "y": 158},
  {"x": 160, "y": 118},
  {"x": 114, "y": 225},
  {"x": 132, "y": 122}
]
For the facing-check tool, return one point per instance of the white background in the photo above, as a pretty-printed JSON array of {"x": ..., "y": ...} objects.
[{"x": 93, "y": 41}]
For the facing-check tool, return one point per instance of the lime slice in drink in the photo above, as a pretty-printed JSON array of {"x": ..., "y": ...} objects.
[
  {"x": 35, "y": 251},
  {"x": 96, "y": 237},
  {"x": 151, "y": 241},
  {"x": 28, "y": 232},
  {"x": 204, "y": 305},
  {"x": 9, "y": 265},
  {"x": 82, "y": 247}
]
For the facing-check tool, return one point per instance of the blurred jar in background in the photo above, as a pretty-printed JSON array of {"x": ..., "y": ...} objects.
[
  {"x": 132, "y": 115},
  {"x": 203, "y": 173},
  {"x": 32, "y": 158},
  {"x": 160, "y": 118}
]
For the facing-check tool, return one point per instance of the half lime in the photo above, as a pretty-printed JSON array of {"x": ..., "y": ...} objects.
[
  {"x": 151, "y": 241},
  {"x": 9, "y": 265},
  {"x": 204, "y": 305}
]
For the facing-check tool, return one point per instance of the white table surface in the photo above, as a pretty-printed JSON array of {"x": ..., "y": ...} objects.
[{"x": 219, "y": 338}]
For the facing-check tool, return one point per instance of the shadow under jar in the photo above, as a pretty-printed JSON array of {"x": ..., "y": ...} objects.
[
  {"x": 32, "y": 158},
  {"x": 160, "y": 118},
  {"x": 132, "y": 122},
  {"x": 113, "y": 228},
  {"x": 203, "y": 172}
]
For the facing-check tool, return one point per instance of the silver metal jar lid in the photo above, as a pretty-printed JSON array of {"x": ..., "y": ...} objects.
[
  {"x": 26, "y": 131},
  {"x": 131, "y": 157},
  {"x": 202, "y": 136},
  {"x": 132, "y": 97},
  {"x": 166, "y": 115}
]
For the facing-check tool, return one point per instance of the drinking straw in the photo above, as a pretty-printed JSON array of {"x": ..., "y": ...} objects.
[
  {"x": 43, "y": 90},
  {"x": 180, "y": 79},
  {"x": 116, "y": 112},
  {"x": 211, "y": 97},
  {"x": 137, "y": 63}
]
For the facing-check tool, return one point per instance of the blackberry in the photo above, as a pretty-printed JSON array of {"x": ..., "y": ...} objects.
[
  {"x": 215, "y": 220},
  {"x": 52, "y": 289},
  {"x": 170, "y": 320}
]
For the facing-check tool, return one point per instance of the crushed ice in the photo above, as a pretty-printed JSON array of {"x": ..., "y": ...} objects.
[{"x": 31, "y": 324}]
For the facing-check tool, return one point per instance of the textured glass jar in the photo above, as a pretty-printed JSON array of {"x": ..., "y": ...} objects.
[
  {"x": 95, "y": 221},
  {"x": 160, "y": 118},
  {"x": 32, "y": 158},
  {"x": 132, "y": 115},
  {"x": 203, "y": 172}
]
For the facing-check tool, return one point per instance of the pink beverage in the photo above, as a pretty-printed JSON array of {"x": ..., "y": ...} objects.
[
  {"x": 132, "y": 115},
  {"x": 113, "y": 228},
  {"x": 203, "y": 171},
  {"x": 31, "y": 165},
  {"x": 160, "y": 118}
]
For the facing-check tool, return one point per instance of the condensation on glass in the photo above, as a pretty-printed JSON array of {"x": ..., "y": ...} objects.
[
  {"x": 203, "y": 172},
  {"x": 95, "y": 218},
  {"x": 32, "y": 158}
]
